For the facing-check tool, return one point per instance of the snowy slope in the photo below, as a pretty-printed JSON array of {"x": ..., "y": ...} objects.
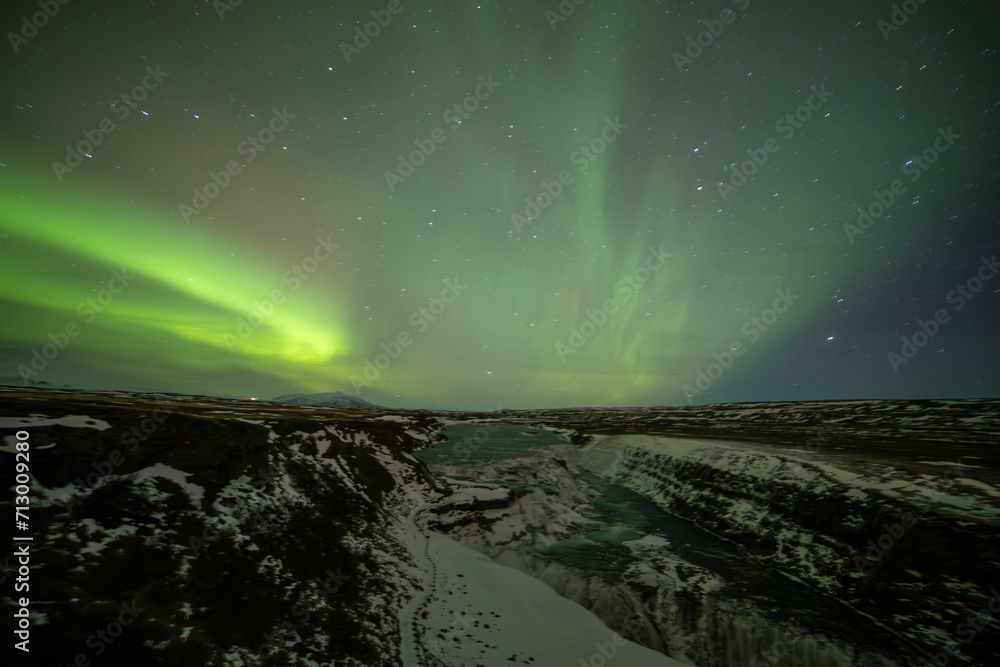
[
  {"x": 899, "y": 544},
  {"x": 336, "y": 399},
  {"x": 259, "y": 534},
  {"x": 473, "y": 611}
]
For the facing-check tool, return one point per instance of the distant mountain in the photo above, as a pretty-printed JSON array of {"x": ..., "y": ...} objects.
[
  {"x": 16, "y": 381},
  {"x": 364, "y": 538},
  {"x": 323, "y": 522},
  {"x": 336, "y": 399}
]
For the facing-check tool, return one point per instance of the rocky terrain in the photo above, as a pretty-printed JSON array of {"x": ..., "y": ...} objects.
[
  {"x": 335, "y": 399},
  {"x": 173, "y": 529},
  {"x": 890, "y": 507},
  {"x": 242, "y": 532}
]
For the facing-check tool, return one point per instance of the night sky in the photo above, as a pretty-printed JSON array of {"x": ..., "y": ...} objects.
[{"x": 496, "y": 205}]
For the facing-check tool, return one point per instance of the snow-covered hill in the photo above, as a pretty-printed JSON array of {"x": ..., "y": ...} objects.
[
  {"x": 336, "y": 399},
  {"x": 880, "y": 518},
  {"x": 232, "y": 532},
  {"x": 238, "y": 533}
]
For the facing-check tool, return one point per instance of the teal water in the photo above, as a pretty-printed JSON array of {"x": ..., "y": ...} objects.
[{"x": 513, "y": 452}]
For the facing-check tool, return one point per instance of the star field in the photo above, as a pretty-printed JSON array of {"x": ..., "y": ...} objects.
[{"x": 299, "y": 188}]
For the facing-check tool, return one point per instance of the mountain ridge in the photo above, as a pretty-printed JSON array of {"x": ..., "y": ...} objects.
[{"x": 328, "y": 399}]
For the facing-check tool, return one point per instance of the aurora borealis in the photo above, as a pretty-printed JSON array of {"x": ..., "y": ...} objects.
[{"x": 461, "y": 205}]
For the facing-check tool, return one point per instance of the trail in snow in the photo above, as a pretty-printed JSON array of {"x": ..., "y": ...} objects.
[
  {"x": 475, "y": 612},
  {"x": 414, "y": 651}
]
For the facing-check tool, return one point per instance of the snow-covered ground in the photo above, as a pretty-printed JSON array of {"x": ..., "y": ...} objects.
[
  {"x": 474, "y": 611},
  {"x": 227, "y": 495},
  {"x": 953, "y": 493}
]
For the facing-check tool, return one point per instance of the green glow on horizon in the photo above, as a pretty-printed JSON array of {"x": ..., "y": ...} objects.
[
  {"x": 183, "y": 263},
  {"x": 525, "y": 290}
]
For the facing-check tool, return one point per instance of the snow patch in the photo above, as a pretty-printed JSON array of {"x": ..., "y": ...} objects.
[
  {"x": 73, "y": 421},
  {"x": 195, "y": 492}
]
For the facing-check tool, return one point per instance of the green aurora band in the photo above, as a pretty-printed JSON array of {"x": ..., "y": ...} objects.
[{"x": 527, "y": 281}]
